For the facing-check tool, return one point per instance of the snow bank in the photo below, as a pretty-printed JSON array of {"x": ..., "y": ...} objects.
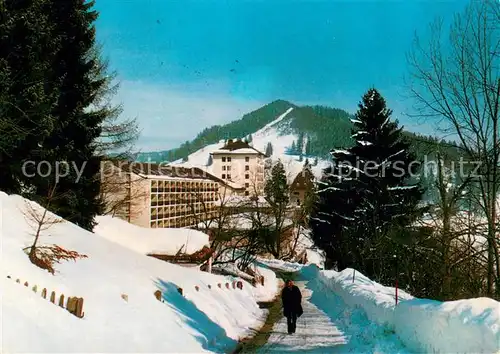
[
  {"x": 280, "y": 265},
  {"x": 464, "y": 326},
  {"x": 270, "y": 289},
  {"x": 207, "y": 320},
  {"x": 144, "y": 240},
  {"x": 261, "y": 293}
]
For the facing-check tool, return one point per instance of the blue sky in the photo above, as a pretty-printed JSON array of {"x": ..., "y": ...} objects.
[{"x": 185, "y": 65}]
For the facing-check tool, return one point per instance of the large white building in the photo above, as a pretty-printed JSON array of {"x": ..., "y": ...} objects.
[
  {"x": 157, "y": 196},
  {"x": 241, "y": 164}
]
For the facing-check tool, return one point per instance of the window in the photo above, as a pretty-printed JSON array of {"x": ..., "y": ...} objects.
[
  {"x": 223, "y": 158},
  {"x": 247, "y": 193},
  {"x": 228, "y": 176},
  {"x": 247, "y": 159},
  {"x": 229, "y": 159},
  {"x": 247, "y": 185},
  {"x": 247, "y": 176},
  {"x": 229, "y": 168},
  {"x": 247, "y": 168},
  {"x": 223, "y": 176},
  {"x": 223, "y": 168}
]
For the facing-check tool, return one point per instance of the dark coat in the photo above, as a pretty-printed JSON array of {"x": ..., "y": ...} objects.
[{"x": 292, "y": 301}]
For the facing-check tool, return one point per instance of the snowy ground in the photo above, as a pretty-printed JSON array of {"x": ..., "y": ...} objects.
[
  {"x": 328, "y": 326},
  {"x": 210, "y": 319},
  {"x": 360, "y": 316},
  {"x": 341, "y": 315}
]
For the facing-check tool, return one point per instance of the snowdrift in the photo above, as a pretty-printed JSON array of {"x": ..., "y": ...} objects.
[
  {"x": 197, "y": 321},
  {"x": 150, "y": 241},
  {"x": 464, "y": 326}
]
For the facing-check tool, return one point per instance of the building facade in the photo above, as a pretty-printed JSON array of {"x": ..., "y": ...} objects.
[
  {"x": 156, "y": 196},
  {"x": 301, "y": 185},
  {"x": 239, "y": 163}
]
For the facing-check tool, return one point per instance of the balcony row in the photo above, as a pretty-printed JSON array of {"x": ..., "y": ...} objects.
[
  {"x": 182, "y": 190},
  {"x": 167, "y": 183},
  {"x": 207, "y": 202}
]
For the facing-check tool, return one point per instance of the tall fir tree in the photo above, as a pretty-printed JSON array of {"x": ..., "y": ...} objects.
[
  {"x": 26, "y": 100},
  {"x": 300, "y": 143},
  {"x": 79, "y": 76},
  {"x": 366, "y": 194},
  {"x": 277, "y": 194},
  {"x": 308, "y": 147},
  {"x": 269, "y": 149}
]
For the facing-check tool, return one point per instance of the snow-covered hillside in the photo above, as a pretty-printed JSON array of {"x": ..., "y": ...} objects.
[
  {"x": 275, "y": 133},
  {"x": 118, "y": 285}
]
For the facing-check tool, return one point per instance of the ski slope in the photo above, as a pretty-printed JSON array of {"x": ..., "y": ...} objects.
[{"x": 270, "y": 133}]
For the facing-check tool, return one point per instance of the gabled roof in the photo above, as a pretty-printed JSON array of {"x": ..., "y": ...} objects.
[
  {"x": 153, "y": 170},
  {"x": 303, "y": 181},
  {"x": 237, "y": 146}
]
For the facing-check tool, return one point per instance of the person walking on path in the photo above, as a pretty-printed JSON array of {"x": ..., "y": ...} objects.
[{"x": 292, "y": 305}]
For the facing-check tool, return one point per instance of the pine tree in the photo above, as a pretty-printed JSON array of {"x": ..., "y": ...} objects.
[
  {"x": 308, "y": 149},
  {"x": 366, "y": 194},
  {"x": 269, "y": 149},
  {"x": 79, "y": 76},
  {"x": 276, "y": 193},
  {"x": 300, "y": 143},
  {"x": 25, "y": 98},
  {"x": 293, "y": 149}
]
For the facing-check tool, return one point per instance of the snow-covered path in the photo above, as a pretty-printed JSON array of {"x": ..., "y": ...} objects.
[
  {"x": 328, "y": 326},
  {"x": 315, "y": 331}
]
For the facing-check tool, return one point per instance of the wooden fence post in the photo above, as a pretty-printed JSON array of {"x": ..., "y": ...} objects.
[
  {"x": 44, "y": 293},
  {"x": 79, "y": 308},
  {"x": 61, "y": 300},
  {"x": 53, "y": 297},
  {"x": 71, "y": 305}
]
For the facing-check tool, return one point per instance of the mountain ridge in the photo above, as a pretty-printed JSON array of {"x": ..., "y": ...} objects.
[
  {"x": 316, "y": 129},
  {"x": 306, "y": 118}
]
